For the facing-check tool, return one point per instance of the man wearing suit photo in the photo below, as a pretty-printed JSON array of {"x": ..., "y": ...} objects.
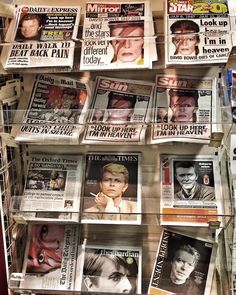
[
  {"x": 190, "y": 189},
  {"x": 109, "y": 201}
]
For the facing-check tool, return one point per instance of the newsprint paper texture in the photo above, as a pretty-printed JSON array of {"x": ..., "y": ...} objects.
[
  {"x": 119, "y": 109},
  {"x": 116, "y": 269},
  {"x": 56, "y": 111},
  {"x": 50, "y": 257},
  {"x": 190, "y": 190},
  {"x": 117, "y": 35},
  {"x": 112, "y": 188},
  {"x": 41, "y": 36},
  {"x": 53, "y": 184},
  {"x": 183, "y": 108},
  {"x": 197, "y": 32},
  {"x": 184, "y": 265}
]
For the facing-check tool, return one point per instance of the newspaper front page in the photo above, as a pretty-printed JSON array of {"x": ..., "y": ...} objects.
[
  {"x": 50, "y": 257},
  {"x": 123, "y": 264},
  {"x": 184, "y": 265},
  {"x": 117, "y": 35},
  {"x": 41, "y": 36},
  {"x": 119, "y": 110},
  {"x": 183, "y": 109},
  {"x": 53, "y": 183},
  {"x": 190, "y": 190},
  {"x": 56, "y": 111},
  {"x": 197, "y": 32},
  {"x": 112, "y": 188}
]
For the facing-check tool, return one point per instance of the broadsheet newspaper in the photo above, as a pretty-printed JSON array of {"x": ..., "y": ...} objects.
[
  {"x": 41, "y": 36},
  {"x": 53, "y": 184},
  {"x": 191, "y": 193},
  {"x": 174, "y": 252},
  {"x": 119, "y": 111},
  {"x": 118, "y": 35},
  {"x": 197, "y": 32},
  {"x": 56, "y": 111},
  {"x": 183, "y": 109},
  {"x": 125, "y": 269},
  {"x": 50, "y": 257},
  {"x": 112, "y": 188}
]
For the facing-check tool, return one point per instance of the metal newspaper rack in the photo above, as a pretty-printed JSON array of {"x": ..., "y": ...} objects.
[{"x": 146, "y": 235}]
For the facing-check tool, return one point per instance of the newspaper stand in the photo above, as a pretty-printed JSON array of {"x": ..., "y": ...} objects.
[{"x": 147, "y": 234}]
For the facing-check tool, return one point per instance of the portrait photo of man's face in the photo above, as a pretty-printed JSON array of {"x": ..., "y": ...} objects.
[
  {"x": 30, "y": 26},
  {"x": 128, "y": 41},
  {"x": 120, "y": 107},
  {"x": 182, "y": 266},
  {"x": 185, "y": 43},
  {"x": 194, "y": 180},
  {"x": 186, "y": 177},
  {"x": 68, "y": 98},
  {"x": 112, "y": 279},
  {"x": 110, "y": 273},
  {"x": 113, "y": 185},
  {"x": 183, "y": 105},
  {"x": 185, "y": 37}
]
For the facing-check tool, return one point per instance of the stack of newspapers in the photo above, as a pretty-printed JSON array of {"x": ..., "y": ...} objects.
[
  {"x": 119, "y": 112},
  {"x": 55, "y": 112},
  {"x": 197, "y": 32},
  {"x": 55, "y": 259},
  {"x": 118, "y": 35},
  {"x": 41, "y": 36}
]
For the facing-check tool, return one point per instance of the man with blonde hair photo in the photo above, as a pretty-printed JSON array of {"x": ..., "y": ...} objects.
[{"x": 108, "y": 202}]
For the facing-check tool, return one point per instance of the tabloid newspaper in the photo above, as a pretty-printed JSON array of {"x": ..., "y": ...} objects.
[
  {"x": 119, "y": 110},
  {"x": 122, "y": 265},
  {"x": 41, "y": 36},
  {"x": 197, "y": 32},
  {"x": 118, "y": 35},
  {"x": 50, "y": 257},
  {"x": 53, "y": 184},
  {"x": 56, "y": 111},
  {"x": 191, "y": 191},
  {"x": 183, "y": 109},
  {"x": 112, "y": 188},
  {"x": 171, "y": 275}
]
